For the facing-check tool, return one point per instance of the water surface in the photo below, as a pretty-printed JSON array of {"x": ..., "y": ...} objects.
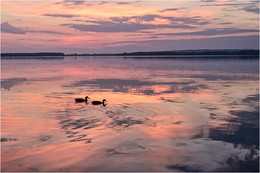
[{"x": 162, "y": 114}]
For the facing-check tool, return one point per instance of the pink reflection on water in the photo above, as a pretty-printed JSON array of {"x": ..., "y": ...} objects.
[{"x": 157, "y": 118}]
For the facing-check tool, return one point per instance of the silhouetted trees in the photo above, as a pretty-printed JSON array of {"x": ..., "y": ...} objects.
[
  {"x": 34, "y": 54},
  {"x": 176, "y": 52}
]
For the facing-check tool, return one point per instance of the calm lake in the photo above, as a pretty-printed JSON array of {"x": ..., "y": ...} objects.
[{"x": 162, "y": 114}]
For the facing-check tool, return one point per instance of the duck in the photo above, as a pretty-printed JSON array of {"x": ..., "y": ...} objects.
[
  {"x": 79, "y": 100},
  {"x": 99, "y": 102}
]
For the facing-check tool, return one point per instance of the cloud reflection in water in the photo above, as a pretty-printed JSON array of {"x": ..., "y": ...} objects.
[{"x": 167, "y": 115}]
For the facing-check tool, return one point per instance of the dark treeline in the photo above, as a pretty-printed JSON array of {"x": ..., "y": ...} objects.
[
  {"x": 199, "y": 52},
  {"x": 94, "y": 54},
  {"x": 177, "y": 52},
  {"x": 180, "y": 52},
  {"x": 34, "y": 54}
]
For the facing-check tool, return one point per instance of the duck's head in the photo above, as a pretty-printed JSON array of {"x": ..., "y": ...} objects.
[
  {"x": 86, "y": 98},
  {"x": 104, "y": 103}
]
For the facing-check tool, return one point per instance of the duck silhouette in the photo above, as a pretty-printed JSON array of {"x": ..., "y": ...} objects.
[
  {"x": 79, "y": 100},
  {"x": 99, "y": 102}
]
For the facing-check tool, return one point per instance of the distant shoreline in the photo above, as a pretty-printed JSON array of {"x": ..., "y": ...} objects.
[
  {"x": 180, "y": 53},
  {"x": 164, "y": 57}
]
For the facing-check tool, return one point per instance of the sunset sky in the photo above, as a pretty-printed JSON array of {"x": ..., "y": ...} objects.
[{"x": 126, "y": 26}]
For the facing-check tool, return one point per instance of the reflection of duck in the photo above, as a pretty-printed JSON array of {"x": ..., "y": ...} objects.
[
  {"x": 99, "y": 102},
  {"x": 81, "y": 100}
]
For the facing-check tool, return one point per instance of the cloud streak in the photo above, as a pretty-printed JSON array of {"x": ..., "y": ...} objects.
[
  {"x": 196, "y": 20},
  {"x": 219, "y": 5},
  {"x": 208, "y": 0},
  {"x": 251, "y": 9},
  {"x": 61, "y": 15},
  {"x": 71, "y": 2},
  {"x": 169, "y": 9},
  {"x": 8, "y": 28},
  {"x": 120, "y": 27},
  {"x": 137, "y": 23},
  {"x": 231, "y": 42},
  {"x": 212, "y": 32}
]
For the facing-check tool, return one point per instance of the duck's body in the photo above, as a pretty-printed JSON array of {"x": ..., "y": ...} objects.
[
  {"x": 79, "y": 100},
  {"x": 98, "y": 102}
]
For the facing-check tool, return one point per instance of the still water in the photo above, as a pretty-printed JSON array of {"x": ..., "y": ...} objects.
[{"x": 162, "y": 114}]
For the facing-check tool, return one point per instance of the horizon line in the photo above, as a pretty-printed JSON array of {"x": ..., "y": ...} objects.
[{"x": 166, "y": 51}]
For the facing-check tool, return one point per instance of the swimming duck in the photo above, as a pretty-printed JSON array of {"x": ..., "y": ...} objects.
[
  {"x": 99, "y": 102},
  {"x": 79, "y": 100}
]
